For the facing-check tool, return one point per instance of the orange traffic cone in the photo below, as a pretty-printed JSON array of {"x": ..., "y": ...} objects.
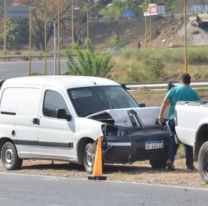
[{"x": 98, "y": 166}]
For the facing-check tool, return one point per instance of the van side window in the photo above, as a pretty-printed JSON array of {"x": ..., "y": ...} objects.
[{"x": 53, "y": 101}]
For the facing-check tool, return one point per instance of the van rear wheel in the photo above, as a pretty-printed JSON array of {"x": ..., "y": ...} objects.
[
  {"x": 9, "y": 157},
  {"x": 89, "y": 157}
]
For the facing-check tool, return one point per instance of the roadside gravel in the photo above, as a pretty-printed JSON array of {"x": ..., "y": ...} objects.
[{"x": 138, "y": 172}]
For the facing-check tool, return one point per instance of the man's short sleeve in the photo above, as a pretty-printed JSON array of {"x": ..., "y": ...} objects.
[{"x": 169, "y": 94}]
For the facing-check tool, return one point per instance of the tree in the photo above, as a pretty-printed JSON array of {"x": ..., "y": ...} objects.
[
  {"x": 50, "y": 9},
  {"x": 17, "y": 32},
  {"x": 88, "y": 61}
]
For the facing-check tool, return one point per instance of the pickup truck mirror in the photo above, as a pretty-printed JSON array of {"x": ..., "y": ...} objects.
[{"x": 61, "y": 114}]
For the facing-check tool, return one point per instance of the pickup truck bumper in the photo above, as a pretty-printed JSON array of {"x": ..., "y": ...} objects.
[{"x": 141, "y": 145}]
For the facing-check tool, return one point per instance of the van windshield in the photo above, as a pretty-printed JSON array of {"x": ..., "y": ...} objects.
[{"x": 89, "y": 100}]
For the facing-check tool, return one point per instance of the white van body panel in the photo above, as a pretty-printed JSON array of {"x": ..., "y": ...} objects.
[
  {"x": 7, "y": 106},
  {"x": 52, "y": 138}
]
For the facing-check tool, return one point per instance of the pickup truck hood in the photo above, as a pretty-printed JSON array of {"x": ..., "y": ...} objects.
[{"x": 147, "y": 116}]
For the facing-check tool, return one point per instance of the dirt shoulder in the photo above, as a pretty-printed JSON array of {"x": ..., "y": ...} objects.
[{"x": 140, "y": 172}]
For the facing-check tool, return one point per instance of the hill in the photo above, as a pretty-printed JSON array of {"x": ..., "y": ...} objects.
[{"x": 161, "y": 32}]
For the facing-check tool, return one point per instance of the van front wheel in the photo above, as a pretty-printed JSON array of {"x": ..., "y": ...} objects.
[
  {"x": 158, "y": 163},
  {"x": 9, "y": 157},
  {"x": 89, "y": 157}
]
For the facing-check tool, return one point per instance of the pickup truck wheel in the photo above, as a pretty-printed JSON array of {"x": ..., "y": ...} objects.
[
  {"x": 158, "y": 163},
  {"x": 89, "y": 157},
  {"x": 9, "y": 157},
  {"x": 203, "y": 161}
]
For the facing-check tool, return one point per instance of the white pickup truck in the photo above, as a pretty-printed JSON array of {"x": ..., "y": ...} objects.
[{"x": 191, "y": 120}]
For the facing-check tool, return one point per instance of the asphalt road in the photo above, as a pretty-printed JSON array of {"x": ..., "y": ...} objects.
[
  {"x": 33, "y": 190},
  {"x": 17, "y": 69}
]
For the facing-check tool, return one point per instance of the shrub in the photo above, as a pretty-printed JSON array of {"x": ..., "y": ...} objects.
[
  {"x": 88, "y": 62},
  {"x": 116, "y": 41},
  {"x": 155, "y": 66}
]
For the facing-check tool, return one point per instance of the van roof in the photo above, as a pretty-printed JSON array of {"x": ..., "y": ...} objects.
[{"x": 64, "y": 81}]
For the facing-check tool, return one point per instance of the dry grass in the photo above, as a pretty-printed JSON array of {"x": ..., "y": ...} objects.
[{"x": 149, "y": 97}]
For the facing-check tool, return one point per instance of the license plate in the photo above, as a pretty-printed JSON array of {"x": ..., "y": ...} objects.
[{"x": 154, "y": 145}]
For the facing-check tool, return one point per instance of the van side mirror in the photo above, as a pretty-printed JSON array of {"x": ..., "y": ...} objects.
[
  {"x": 142, "y": 105},
  {"x": 124, "y": 86},
  {"x": 61, "y": 114}
]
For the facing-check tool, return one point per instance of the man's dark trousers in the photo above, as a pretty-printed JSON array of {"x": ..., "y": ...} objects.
[{"x": 173, "y": 147}]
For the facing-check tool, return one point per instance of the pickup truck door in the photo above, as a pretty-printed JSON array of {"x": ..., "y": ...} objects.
[
  {"x": 55, "y": 136},
  {"x": 188, "y": 118}
]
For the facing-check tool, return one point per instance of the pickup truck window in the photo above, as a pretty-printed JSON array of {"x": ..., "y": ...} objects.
[
  {"x": 53, "y": 101},
  {"x": 90, "y": 100}
]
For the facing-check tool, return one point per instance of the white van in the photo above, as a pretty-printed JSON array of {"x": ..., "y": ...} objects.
[{"x": 61, "y": 117}]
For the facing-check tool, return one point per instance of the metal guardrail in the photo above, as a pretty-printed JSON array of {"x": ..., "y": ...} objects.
[
  {"x": 26, "y": 57},
  {"x": 163, "y": 86}
]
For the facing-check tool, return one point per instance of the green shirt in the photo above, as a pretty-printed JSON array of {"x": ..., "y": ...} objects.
[{"x": 180, "y": 93}]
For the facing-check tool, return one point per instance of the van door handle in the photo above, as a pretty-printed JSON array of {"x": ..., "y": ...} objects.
[{"x": 36, "y": 121}]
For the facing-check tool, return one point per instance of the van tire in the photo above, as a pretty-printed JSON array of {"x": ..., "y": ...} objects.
[
  {"x": 203, "y": 161},
  {"x": 89, "y": 157},
  {"x": 158, "y": 163},
  {"x": 9, "y": 157}
]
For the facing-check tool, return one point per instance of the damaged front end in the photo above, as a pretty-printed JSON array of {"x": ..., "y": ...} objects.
[{"x": 133, "y": 134}]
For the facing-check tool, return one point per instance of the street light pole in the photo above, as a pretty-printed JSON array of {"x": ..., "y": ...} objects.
[
  {"x": 30, "y": 40},
  {"x": 150, "y": 26},
  {"x": 5, "y": 21},
  {"x": 54, "y": 45},
  {"x": 45, "y": 39},
  {"x": 145, "y": 24},
  {"x": 88, "y": 19},
  {"x": 72, "y": 25},
  {"x": 185, "y": 39},
  {"x": 59, "y": 62}
]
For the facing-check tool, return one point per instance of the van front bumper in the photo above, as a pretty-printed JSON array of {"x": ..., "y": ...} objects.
[{"x": 142, "y": 145}]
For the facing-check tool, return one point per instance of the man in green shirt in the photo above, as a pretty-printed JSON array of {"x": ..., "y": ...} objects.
[{"x": 180, "y": 93}]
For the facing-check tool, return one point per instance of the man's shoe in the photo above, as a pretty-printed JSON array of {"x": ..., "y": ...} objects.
[
  {"x": 191, "y": 168},
  {"x": 170, "y": 166}
]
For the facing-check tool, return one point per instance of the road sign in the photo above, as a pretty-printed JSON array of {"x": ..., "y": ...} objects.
[
  {"x": 128, "y": 13},
  {"x": 15, "y": 11}
]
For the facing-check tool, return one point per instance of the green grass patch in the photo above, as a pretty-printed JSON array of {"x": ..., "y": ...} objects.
[{"x": 157, "y": 65}]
